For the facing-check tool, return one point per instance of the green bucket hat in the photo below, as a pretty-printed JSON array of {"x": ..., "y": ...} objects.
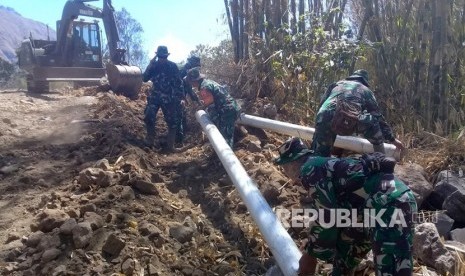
[
  {"x": 162, "y": 51},
  {"x": 360, "y": 75},
  {"x": 194, "y": 74},
  {"x": 291, "y": 150}
]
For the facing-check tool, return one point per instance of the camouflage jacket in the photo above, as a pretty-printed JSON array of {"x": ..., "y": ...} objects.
[
  {"x": 165, "y": 78},
  {"x": 358, "y": 93},
  {"x": 346, "y": 178},
  {"x": 187, "y": 87},
  {"x": 223, "y": 102}
]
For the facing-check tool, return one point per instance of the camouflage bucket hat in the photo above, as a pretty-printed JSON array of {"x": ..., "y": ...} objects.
[
  {"x": 194, "y": 74},
  {"x": 162, "y": 51},
  {"x": 291, "y": 150},
  {"x": 360, "y": 75}
]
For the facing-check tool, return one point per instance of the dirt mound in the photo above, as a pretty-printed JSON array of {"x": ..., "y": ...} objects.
[{"x": 117, "y": 207}]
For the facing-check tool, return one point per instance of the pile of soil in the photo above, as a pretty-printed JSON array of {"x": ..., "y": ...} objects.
[{"x": 81, "y": 194}]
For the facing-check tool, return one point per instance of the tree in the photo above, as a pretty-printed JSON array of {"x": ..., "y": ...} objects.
[
  {"x": 130, "y": 35},
  {"x": 6, "y": 71}
]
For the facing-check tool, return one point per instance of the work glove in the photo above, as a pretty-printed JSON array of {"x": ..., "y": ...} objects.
[{"x": 377, "y": 162}]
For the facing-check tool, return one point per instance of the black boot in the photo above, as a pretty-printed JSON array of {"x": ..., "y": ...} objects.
[
  {"x": 170, "y": 139},
  {"x": 150, "y": 137}
]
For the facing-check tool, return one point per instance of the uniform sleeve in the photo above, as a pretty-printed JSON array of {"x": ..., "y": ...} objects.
[
  {"x": 372, "y": 107},
  {"x": 177, "y": 83},
  {"x": 148, "y": 73},
  {"x": 189, "y": 91}
]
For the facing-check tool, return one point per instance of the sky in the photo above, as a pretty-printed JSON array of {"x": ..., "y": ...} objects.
[{"x": 178, "y": 24}]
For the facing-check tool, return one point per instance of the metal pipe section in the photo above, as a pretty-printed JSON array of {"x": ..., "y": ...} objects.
[
  {"x": 352, "y": 143},
  {"x": 282, "y": 246}
]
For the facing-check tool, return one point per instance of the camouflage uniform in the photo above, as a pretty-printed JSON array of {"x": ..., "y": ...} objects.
[
  {"x": 342, "y": 183},
  {"x": 371, "y": 122},
  {"x": 224, "y": 111},
  {"x": 187, "y": 91},
  {"x": 166, "y": 93}
]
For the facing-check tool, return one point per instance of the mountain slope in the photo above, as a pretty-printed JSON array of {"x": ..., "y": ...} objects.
[{"x": 14, "y": 28}]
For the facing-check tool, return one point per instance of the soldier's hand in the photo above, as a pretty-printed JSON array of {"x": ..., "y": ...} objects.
[
  {"x": 377, "y": 162},
  {"x": 400, "y": 147}
]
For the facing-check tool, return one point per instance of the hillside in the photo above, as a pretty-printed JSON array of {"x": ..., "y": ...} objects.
[{"x": 14, "y": 28}]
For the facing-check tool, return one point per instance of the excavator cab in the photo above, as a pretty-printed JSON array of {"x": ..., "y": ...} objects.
[
  {"x": 85, "y": 49},
  {"x": 76, "y": 55}
]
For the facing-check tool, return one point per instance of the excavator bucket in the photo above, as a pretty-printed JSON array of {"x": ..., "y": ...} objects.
[{"x": 125, "y": 79}]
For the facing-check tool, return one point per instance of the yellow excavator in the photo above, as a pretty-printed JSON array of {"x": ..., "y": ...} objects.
[{"x": 76, "y": 55}]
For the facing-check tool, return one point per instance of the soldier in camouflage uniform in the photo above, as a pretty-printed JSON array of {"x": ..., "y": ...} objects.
[
  {"x": 166, "y": 93},
  {"x": 192, "y": 61},
  {"x": 367, "y": 183},
  {"x": 220, "y": 106},
  {"x": 371, "y": 123}
]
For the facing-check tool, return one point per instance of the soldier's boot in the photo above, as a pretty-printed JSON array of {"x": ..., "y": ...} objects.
[
  {"x": 379, "y": 148},
  {"x": 150, "y": 137},
  {"x": 170, "y": 139}
]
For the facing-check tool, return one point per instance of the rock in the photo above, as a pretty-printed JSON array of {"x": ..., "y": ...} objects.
[
  {"x": 156, "y": 178},
  {"x": 88, "y": 177},
  {"x": 270, "y": 111},
  {"x": 181, "y": 233},
  {"x": 127, "y": 193},
  {"x": 223, "y": 269},
  {"x": 103, "y": 164},
  {"x": 447, "y": 184},
  {"x": 50, "y": 219},
  {"x": 98, "y": 239},
  {"x": 113, "y": 245},
  {"x": 34, "y": 239},
  {"x": 148, "y": 229},
  {"x": 94, "y": 219},
  {"x": 146, "y": 187},
  {"x": 414, "y": 176},
  {"x": 67, "y": 227},
  {"x": 49, "y": 241},
  {"x": 254, "y": 146},
  {"x": 454, "y": 204},
  {"x": 50, "y": 255},
  {"x": 271, "y": 194},
  {"x": 443, "y": 224},
  {"x": 12, "y": 236},
  {"x": 82, "y": 233},
  {"x": 458, "y": 235},
  {"x": 131, "y": 267},
  {"x": 9, "y": 169},
  {"x": 104, "y": 179},
  {"x": 88, "y": 208},
  {"x": 428, "y": 247}
]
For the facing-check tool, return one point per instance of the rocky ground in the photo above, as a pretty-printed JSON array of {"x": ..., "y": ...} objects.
[{"x": 81, "y": 195}]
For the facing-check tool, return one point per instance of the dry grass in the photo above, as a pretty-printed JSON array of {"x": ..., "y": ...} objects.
[{"x": 435, "y": 153}]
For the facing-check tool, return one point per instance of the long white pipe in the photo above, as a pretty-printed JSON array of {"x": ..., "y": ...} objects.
[
  {"x": 282, "y": 246},
  {"x": 352, "y": 143}
]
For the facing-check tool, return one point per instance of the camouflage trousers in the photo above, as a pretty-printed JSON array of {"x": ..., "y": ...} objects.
[
  {"x": 170, "y": 107},
  {"x": 225, "y": 121},
  {"x": 345, "y": 247},
  {"x": 324, "y": 137}
]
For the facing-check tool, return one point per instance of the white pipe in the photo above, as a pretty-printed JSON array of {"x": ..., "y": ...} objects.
[
  {"x": 352, "y": 143},
  {"x": 282, "y": 246}
]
